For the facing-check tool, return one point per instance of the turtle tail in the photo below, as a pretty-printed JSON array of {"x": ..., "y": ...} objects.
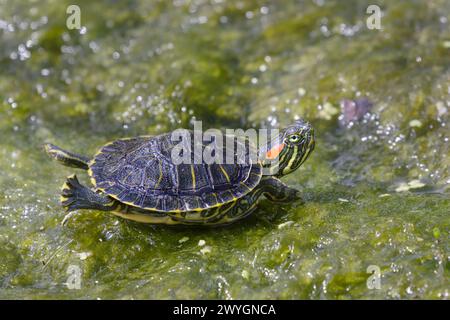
[{"x": 66, "y": 158}]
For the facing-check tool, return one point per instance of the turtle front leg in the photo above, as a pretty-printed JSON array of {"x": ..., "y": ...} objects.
[
  {"x": 75, "y": 196},
  {"x": 275, "y": 190},
  {"x": 270, "y": 187}
]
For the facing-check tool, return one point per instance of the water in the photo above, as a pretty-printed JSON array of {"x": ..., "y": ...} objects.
[{"x": 376, "y": 191}]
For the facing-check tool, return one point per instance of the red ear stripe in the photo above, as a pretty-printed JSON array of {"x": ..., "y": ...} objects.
[{"x": 275, "y": 151}]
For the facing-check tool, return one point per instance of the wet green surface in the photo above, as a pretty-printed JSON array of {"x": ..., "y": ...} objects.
[{"x": 144, "y": 68}]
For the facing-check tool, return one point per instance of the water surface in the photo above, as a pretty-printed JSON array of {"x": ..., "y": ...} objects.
[{"x": 376, "y": 191}]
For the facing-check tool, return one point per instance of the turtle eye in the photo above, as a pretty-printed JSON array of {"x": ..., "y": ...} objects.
[{"x": 294, "y": 138}]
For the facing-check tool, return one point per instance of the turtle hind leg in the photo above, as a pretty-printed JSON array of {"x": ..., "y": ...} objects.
[
  {"x": 75, "y": 196},
  {"x": 66, "y": 158}
]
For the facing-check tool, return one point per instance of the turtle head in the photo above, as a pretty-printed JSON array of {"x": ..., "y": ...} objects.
[{"x": 291, "y": 147}]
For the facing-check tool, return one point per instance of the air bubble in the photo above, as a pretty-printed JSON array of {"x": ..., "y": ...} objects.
[{"x": 264, "y": 10}]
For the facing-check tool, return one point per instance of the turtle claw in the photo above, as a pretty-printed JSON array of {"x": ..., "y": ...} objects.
[
  {"x": 66, "y": 218},
  {"x": 70, "y": 193}
]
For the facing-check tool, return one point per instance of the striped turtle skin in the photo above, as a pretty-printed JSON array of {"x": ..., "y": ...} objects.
[{"x": 140, "y": 172}]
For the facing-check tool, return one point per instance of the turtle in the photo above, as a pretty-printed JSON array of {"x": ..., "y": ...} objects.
[{"x": 138, "y": 178}]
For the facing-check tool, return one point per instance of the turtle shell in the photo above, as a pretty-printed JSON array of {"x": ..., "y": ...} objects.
[{"x": 140, "y": 172}]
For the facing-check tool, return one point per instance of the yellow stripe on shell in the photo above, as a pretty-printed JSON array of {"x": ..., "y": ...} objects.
[
  {"x": 224, "y": 173},
  {"x": 242, "y": 183},
  {"x": 160, "y": 175},
  {"x": 143, "y": 218},
  {"x": 193, "y": 177}
]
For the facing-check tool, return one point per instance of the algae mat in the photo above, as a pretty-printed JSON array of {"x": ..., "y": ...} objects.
[{"x": 376, "y": 190}]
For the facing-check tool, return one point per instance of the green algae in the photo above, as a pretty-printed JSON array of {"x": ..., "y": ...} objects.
[{"x": 150, "y": 67}]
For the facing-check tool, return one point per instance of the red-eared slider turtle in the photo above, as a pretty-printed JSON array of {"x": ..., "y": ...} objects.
[{"x": 137, "y": 179}]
